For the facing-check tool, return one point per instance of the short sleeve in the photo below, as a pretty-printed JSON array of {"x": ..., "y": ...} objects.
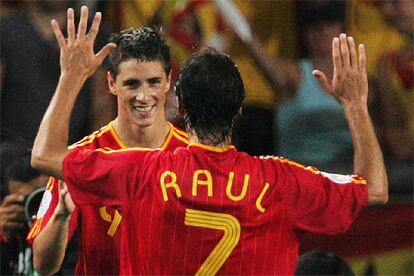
[
  {"x": 320, "y": 202},
  {"x": 102, "y": 176},
  {"x": 46, "y": 209}
]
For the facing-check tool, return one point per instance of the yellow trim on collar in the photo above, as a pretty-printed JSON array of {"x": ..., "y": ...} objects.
[
  {"x": 115, "y": 135},
  {"x": 212, "y": 148}
]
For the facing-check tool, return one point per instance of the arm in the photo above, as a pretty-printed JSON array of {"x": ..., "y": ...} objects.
[
  {"x": 77, "y": 62},
  {"x": 50, "y": 245},
  {"x": 284, "y": 76},
  {"x": 350, "y": 87},
  {"x": 90, "y": 174}
]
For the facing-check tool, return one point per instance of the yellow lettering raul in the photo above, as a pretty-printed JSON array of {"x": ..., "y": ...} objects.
[
  {"x": 171, "y": 184},
  {"x": 260, "y": 197},
  {"x": 207, "y": 181},
  {"x": 230, "y": 185}
]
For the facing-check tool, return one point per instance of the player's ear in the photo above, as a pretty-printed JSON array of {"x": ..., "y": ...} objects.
[
  {"x": 240, "y": 112},
  {"x": 180, "y": 107},
  {"x": 111, "y": 83},
  {"x": 168, "y": 85}
]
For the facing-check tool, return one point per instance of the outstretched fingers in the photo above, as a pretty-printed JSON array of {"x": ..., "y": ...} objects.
[
  {"x": 323, "y": 80},
  {"x": 336, "y": 54},
  {"x": 353, "y": 54},
  {"x": 344, "y": 51},
  {"x": 362, "y": 65},
  {"x": 58, "y": 34},
  {"x": 83, "y": 22},
  {"x": 101, "y": 55},
  {"x": 71, "y": 26},
  {"x": 362, "y": 58},
  {"x": 93, "y": 32}
]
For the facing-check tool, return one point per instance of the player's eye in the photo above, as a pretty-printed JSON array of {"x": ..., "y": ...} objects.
[
  {"x": 131, "y": 84},
  {"x": 154, "y": 81}
]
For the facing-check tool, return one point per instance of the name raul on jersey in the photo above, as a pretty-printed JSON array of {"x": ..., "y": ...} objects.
[{"x": 203, "y": 178}]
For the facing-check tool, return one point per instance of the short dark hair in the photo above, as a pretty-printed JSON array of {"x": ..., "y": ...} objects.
[
  {"x": 210, "y": 91},
  {"x": 10, "y": 153},
  {"x": 319, "y": 262},
  {"x": 143, "y": 44},
  {"x": 21, "y": 169},
  {"x": 15, "y": 164},
  {"x": 325, "y": 12}
]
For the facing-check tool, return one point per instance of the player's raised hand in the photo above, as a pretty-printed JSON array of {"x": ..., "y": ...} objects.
[
  {"x": 76, "y": 52},
  {"x": 349, "y": 84}
]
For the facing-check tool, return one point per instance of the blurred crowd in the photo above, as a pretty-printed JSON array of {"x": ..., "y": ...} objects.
[{"x": 286, "y": 112}]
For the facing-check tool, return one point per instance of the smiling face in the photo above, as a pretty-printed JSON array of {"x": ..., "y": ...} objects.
[{"x": 140, "y": 87}]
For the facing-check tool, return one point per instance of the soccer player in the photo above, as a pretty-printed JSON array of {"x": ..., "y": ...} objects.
[
  {"x": 140, "y": 75},
  {"x": 208, "y": 208}
]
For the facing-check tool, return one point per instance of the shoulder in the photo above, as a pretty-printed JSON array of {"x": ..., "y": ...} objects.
[
  {"x": 131, "y": 156},
  {"x": 103, "y": 137},
  {"x": 285, "y": 164},
  {"x": 176, "y": 138}
]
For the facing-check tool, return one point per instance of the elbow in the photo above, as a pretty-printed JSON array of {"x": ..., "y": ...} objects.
[
  {"x": 43, "y": 269},
  {"x": 43, "y": 266},
  {"x": 47, "y": 164},
  {"x": 39, "y": 162},
  {"x": 379, "y": 196},
  {"x": 36, "y": 161},
  {"x": 378, "y": 199}
]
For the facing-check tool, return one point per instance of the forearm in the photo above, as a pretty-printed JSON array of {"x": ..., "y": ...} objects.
[
  {"x": 50, "y": 146},
  {"x": 368, "y": 160},
  {"x": 50, "y": 246}
]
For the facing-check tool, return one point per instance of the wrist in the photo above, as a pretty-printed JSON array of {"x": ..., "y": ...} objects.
[
  {"x": 62, "y": 215},
  {"x": 72, "y": 78},
  {"x": 356, "y": 109}
]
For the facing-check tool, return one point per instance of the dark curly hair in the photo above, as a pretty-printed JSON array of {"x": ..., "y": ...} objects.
[
  {"x": 210, "y": 91},
  {"x": 144, "y": 44},
  {"x": 319, "y": 262}
]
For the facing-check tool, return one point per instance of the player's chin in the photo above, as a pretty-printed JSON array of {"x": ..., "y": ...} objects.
[{"x": 145, "y": 121}]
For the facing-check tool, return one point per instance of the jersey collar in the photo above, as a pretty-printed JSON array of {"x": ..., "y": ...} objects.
[{"x": 212, "y": 148}]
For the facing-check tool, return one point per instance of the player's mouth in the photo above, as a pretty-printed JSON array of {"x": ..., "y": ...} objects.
[{"x": 144, "y": 110}]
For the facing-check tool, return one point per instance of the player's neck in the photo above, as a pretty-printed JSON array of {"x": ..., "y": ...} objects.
[
  {"x": 193, "y": 139},
  {"x": 136, "y": 136}
]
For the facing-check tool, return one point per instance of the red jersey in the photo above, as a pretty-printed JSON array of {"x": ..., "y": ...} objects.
[
  {"x": 205, "y": 210},
  {"x": 99, "y": 234}
]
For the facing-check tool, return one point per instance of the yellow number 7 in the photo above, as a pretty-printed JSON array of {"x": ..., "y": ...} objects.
[{"x": 219, "y": 221}]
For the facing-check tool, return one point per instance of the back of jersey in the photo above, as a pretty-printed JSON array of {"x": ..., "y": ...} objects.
[
  {"x": 207, "y": 210},
  {"x": 211, "y": 210}
]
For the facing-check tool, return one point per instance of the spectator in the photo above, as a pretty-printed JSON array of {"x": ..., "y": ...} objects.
[
  {"x": 392, "y": 99},
  {"x": 21, "y": 180},
  {"x": 311, "y": 125},
  {"x": 318, "y": 262},
  {"x": 30, "y": 70},
  {"x": 9, "y": 151}
]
